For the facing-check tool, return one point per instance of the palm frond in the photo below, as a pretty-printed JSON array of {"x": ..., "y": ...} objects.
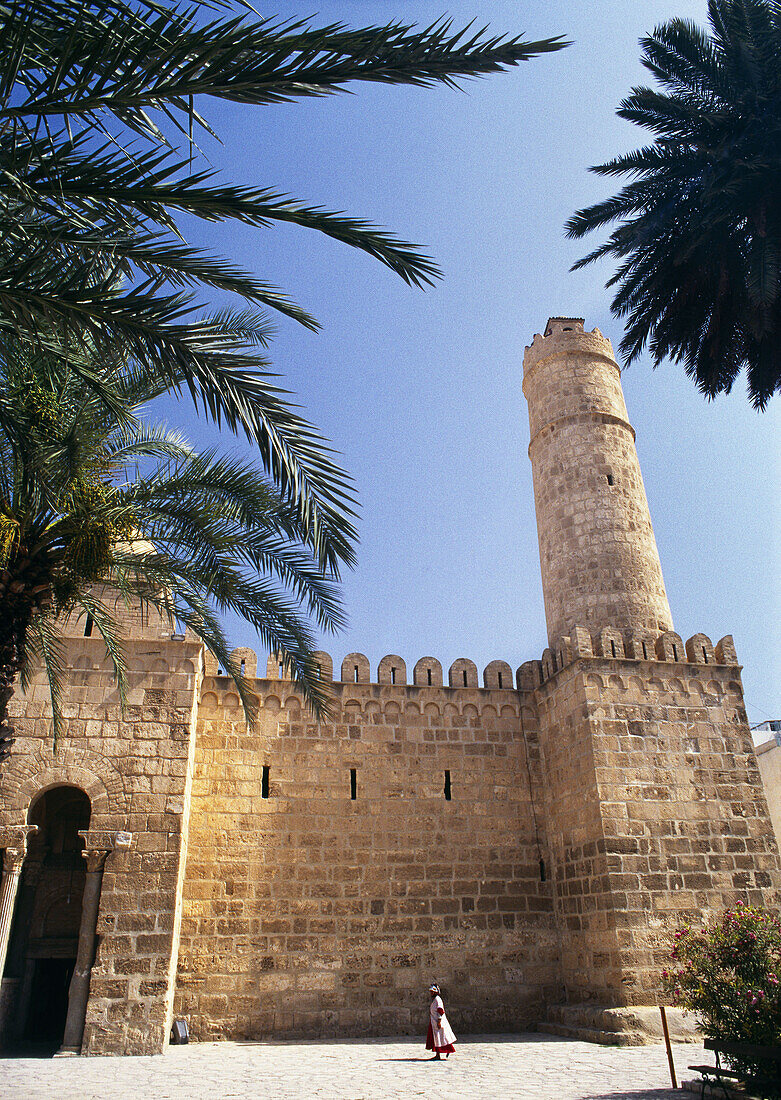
[
  {"x": 45, "y": 643},
  {"x": 696, "y": 231}
]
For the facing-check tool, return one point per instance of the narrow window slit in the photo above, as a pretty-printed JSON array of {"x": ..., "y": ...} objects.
[
  {"x": 356, "y": 674},
  {"x": 88, "y": 626},
  {"x": 610, "y": 479},
  {"x": 281, "y": 670},
  {"x": 645, "y": 652},
  {"x": 353, "y": 784},
  {"x": 542, "y": 869},
  {"x": 675, "y": 652},
  {"x": 393, "y": 675},
  {"x": 704, "y": 656},
  {"x": 500, "y": 679},
  {"x": 613, "y": 648},
  {"x": 264, "y": 784},
  {"x": 448, "y": 791},
  {"x": 428, "y": 673},
  {"x": 243, "y": 665},
  {"x": 465, "y": 683}
]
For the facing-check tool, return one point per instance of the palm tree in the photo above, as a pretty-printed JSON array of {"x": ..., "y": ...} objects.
[
  {"x": 98, "y": 507},
  {"x": 699, "y": 234},
  {"x": 100, "y": 106}
]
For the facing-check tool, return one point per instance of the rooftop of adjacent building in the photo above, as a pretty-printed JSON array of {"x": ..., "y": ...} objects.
[{"x": 771, "y": 726}]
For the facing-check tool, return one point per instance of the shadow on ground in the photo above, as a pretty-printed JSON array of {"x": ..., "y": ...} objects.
[
  {"x": 642, "y": 1094},
  {"x": 425, "y": 1058}
]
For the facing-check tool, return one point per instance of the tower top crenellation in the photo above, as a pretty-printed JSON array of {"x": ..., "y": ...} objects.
[{"x": 567, "y": 336}]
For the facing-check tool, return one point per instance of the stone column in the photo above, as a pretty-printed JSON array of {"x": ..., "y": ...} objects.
[
  {"x": 12, "y": 868},
  {"x": 78, "y": 993}
]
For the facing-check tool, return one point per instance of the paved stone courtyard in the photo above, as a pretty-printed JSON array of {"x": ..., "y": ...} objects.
[{"x": 488, "y": 1067}]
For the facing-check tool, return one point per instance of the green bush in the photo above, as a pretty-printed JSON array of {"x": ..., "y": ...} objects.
[{"x": 728, "y": 973}]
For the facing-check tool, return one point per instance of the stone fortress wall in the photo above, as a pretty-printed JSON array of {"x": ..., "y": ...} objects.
[
  {"x": 308, "y": 912},
  {"x": 311, "y": 879},
  {"x": 311, "y": 912}
]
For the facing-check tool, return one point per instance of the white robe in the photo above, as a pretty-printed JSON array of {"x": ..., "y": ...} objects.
[{"x": 443, "y": 1032}]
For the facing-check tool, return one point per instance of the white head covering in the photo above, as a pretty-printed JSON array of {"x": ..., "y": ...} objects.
[{"x": 433, "y": 988}]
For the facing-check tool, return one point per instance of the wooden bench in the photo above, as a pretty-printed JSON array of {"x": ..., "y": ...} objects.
[{"x": 768, "y": 1058}]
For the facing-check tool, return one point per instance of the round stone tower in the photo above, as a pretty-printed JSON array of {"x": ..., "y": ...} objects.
[{"x": 600, "y": 564}]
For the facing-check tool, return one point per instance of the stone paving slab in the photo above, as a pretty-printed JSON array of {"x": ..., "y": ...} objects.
[{"x": 488, "y": 1067}]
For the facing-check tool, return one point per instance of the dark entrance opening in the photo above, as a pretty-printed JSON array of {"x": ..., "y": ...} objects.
[
  {"x": 49, "y": 1002},
  {"x": 45, "y": 930}
]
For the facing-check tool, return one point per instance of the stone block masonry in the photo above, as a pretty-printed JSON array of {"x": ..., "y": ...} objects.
[
  {"x": 600, "y": 565},
  {"x": 136, "y": 770},
  {"x": 310, "y": 912},
  {"x": 529, "y": 843},
  {"x": 655, "y": 813}
]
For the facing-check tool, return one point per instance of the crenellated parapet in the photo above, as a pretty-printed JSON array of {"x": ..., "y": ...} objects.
[
  {"x": 563, "y": 334},
  {"x": 635, "y": 647},
  {"x": 391, "y": 671},
  {"x": 632, "y": 646}
]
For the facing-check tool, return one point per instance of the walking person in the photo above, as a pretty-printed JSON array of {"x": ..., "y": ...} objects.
[{"x": 440, "y": 1037}]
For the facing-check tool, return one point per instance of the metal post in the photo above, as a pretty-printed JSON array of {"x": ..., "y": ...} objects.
[{"x": 669, "y": 1048}]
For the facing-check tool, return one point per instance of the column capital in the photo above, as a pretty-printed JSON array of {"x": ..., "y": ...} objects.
[
  {"x": 95, "y": 858},
  {"x": 13, "y": 858}
]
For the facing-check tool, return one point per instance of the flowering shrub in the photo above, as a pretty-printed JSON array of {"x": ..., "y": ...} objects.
[{"x": 728, "y": 972}]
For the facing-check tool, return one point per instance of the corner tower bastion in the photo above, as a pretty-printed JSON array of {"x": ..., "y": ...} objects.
[
  {"x": 600, "y": 564},
  {"x": 654, "y": 810}
]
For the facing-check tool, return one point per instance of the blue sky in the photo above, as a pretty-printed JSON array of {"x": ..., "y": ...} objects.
[{"x": 421, "y": 392}]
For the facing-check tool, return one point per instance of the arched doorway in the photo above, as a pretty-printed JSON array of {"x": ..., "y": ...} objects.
[{"x": 45, "y": 933}]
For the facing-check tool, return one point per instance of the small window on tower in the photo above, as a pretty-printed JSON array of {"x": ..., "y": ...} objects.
[
  {"x": 88, "y": 626},
  {"x": 448, "y": 790},
  {"x": 264, "y": 782},
  {"x": 610, "y": 479},
  {"x": 353, "y": 784},
  {"x": 428, "y": 673},
  {"x": 393, "y": 675}
]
